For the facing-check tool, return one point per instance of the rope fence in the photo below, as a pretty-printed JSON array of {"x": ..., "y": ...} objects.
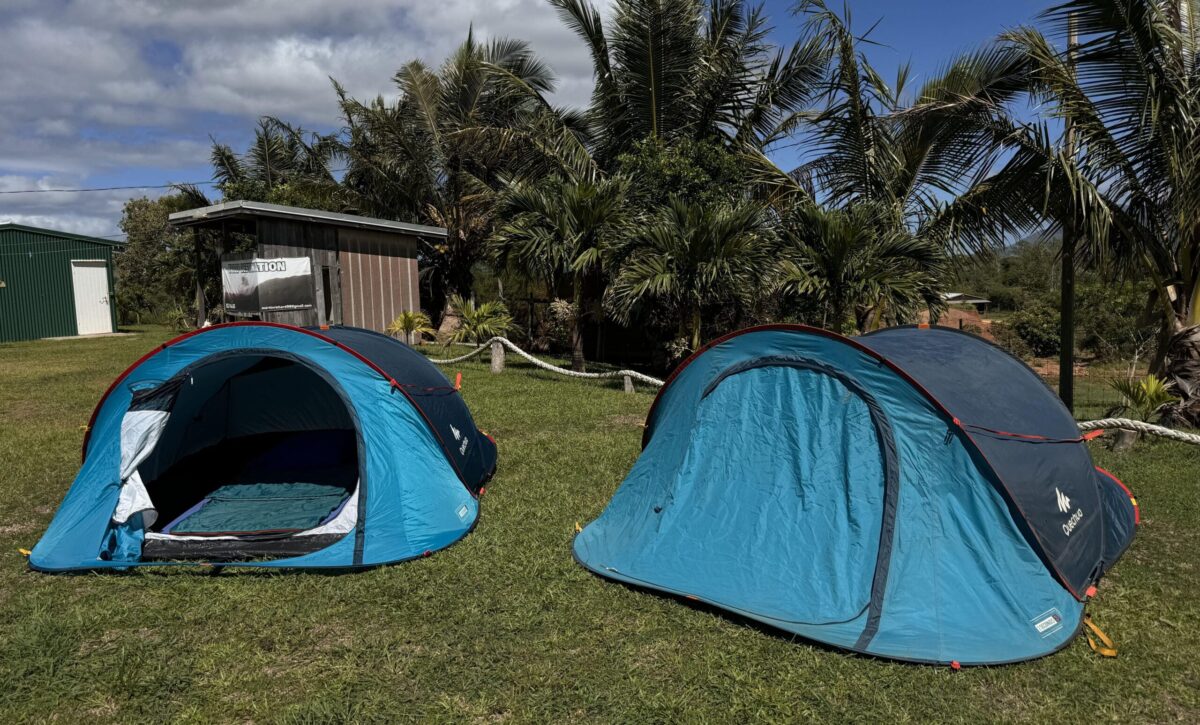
[
  {"x": 1138, "y": 426},
  {"x": 499, "y": 344}
]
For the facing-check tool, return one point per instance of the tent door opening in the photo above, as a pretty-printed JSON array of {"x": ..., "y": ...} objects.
[
  {"x": 241, "y": 456},
  {"x": 796, "y": 495}
]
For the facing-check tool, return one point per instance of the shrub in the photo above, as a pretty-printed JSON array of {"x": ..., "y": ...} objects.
[
  {"x": 412, "y": 325},
  {"x": 1036, "y": 327},
  {"x": 1113, "y": 322},
  {"x": 1144, "y": 398},
  {"x": 479, "y": 323}
]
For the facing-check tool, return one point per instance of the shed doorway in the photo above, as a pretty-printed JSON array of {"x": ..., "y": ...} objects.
[{"x": 89, "y": 279}]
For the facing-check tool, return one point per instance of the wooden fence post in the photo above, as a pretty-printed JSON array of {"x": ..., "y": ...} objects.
[
  {"x": 497, "y": 357},
  {"x": 628, "y": 384}
]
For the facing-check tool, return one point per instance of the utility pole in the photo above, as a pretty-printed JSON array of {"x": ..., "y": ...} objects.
[{"x": 1066, "y": 333}]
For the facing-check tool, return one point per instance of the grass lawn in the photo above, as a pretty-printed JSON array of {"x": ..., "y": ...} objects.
[{"x": 504, "y": 625}]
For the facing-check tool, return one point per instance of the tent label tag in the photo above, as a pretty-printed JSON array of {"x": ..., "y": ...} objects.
[
  {"x": 1048, "y": 622},
  {"x": 462, "y": 511}
]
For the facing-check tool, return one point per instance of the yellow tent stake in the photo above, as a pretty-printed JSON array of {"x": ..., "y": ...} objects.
[
  {"x": 25, "y": 552},
  {"x": 1105, "y": 646},
  {"x": 578, "y": 528}
]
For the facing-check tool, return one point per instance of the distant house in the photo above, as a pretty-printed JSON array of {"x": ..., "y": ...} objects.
[
  {"x": 55, "y": 284},
  {"x": 962, "y": 298},
  {"x": 308, "y": 267}
]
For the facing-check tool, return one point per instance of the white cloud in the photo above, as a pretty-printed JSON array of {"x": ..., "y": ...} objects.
[{"x": 112, "y": 88}]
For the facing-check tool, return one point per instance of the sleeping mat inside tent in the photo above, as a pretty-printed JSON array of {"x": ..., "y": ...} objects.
[{"x": 246, "y": 508}]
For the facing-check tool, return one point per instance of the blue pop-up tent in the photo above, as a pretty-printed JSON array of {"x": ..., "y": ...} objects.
[
  {"x": 261, "y": 444},
  {"x": 916, "y": 494}
]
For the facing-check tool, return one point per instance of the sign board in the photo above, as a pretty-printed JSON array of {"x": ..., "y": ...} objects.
[{"x": 252, "y": 286}]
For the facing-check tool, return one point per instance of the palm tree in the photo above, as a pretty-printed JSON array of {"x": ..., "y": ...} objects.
[
  {"x": 420, "y": 157},
  {"x": 692, "y": 258},
  {"x": 558, "y": 233},
  {"x": 413, "y": 324},
  {"x": 888, "y": 193},
  {"x": 1131, "y": 90},
  {"x": 912, "y": 166},
  {"x": 669, "y": 69},
  {"x": 1124, "y": 181},
  {"x": 858, "y": 269},
  {"x": 283, "y": 163},
  {"x": 479, "y": 323}
]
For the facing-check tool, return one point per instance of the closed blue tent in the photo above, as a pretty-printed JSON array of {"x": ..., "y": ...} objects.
[
  {"x": 916, "y": 494},
  {"x": 262, "y": 444}
]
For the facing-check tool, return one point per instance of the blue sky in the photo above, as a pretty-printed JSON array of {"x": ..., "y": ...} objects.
[{"x": 128, "y": 92}]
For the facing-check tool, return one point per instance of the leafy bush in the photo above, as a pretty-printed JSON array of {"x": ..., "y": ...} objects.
[
  {"x": 479, "y": 323},
  {"x": 1035, "y": 329},
  {"x": 1145, "y": 398},
  {"x": 1112, "y": 320},
  {"x": 412, "y": 325}
]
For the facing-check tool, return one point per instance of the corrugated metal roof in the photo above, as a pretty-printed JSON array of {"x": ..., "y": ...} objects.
[
  {"x": 60, "y": 235},
  {"x": 231, "y": 210}
]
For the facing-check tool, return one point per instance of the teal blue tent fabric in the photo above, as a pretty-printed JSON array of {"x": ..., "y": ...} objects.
[
  {"x": 807, "y": 481},
  {"x": 283, "y": 402}
]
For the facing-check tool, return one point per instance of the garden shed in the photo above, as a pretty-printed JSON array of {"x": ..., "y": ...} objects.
[
  {"x": 308, "y": 267},
  {"x": 55, "y": 284}
]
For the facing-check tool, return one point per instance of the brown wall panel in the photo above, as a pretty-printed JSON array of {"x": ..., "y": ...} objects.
[{"x": 378, "y": 277}]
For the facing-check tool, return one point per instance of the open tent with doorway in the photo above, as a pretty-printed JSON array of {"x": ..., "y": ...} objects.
[
  {"x": 265, "y": 444},
  {"x": 916, "y": 494}
]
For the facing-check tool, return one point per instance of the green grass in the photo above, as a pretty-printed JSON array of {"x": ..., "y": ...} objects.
[{"x": 504, "y": 625}]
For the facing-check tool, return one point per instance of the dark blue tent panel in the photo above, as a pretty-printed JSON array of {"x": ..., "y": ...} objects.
[
  {"x": 824, "y": 487},
  {"x": 269, "y": 445}
]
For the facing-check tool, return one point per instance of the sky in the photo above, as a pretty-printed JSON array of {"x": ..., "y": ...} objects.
[{"x": 103, "y": 93}]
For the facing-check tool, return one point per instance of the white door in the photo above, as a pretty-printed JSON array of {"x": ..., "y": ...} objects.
[{"x": 90, "y": 278}]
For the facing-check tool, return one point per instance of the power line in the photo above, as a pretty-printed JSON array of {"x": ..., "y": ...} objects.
[
  {"x": 107, "y": 188},
  {"x": 125, "y": 188}
]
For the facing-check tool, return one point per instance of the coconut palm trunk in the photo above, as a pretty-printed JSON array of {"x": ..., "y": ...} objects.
[
  {"x": 1181, "y": 357},
  {"x": 578, "y": 363}
]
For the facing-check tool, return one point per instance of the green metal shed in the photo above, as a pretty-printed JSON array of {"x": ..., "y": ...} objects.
[{"x": 55, "y": 284}]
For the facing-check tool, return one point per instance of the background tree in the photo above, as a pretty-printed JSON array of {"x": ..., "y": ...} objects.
[
  {"x": 693, "y": 258},
  {"x": 284, "y": 164},
  {"x": 560, "y": 232},
  {"x": 1132, "y": 92},
  {"x": 859, "y": 270},
  {"x": 684, "y": 69},
  {"x": 412, "y": 324},
  {"x": 479, "y": 323},
  {"x": 422, "y": 159},
  {"x": 156, "y": 271}
]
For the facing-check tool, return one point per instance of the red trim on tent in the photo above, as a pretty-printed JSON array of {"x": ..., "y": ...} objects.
[
  {"x": 1137, "y": 510},
  {"x": 87, "y": 435},
  {"x": 891, "y": 366}
]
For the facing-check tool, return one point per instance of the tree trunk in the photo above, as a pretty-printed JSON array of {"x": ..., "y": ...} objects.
[
  {"x": 1181, "y": 367},
  {"x": 578, "y": 364},
  {"x": 696, "y": 324},
  {"x": 450, "y": 323}
]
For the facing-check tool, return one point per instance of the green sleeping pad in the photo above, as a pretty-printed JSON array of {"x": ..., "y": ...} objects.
[{"x": 260, "y": 508}]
